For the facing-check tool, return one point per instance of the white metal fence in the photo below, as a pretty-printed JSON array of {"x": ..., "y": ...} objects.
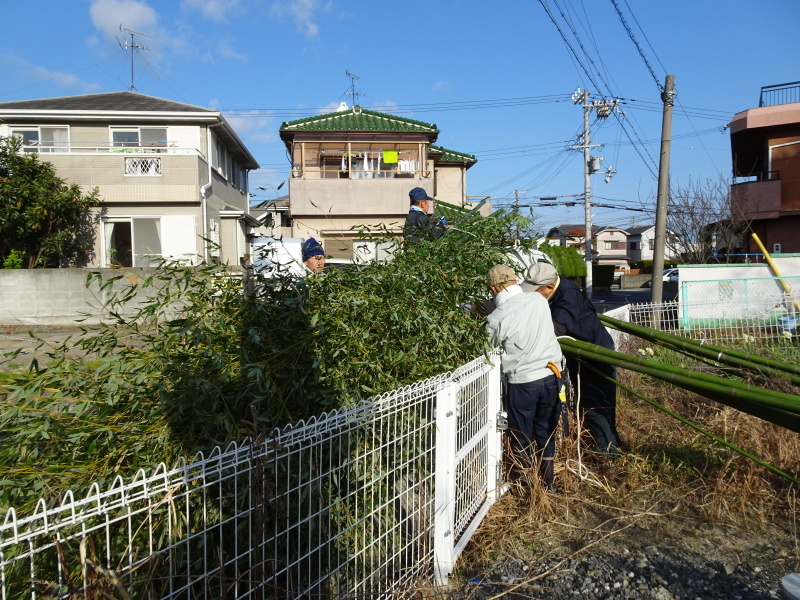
[
  {"x": 374, "y": 501},
  {"x": 720, "y": 318}
]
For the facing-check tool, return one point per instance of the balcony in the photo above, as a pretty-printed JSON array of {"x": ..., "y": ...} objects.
[
  {"x": 757, "y": 198},
  {"x": 352, "y": 197},
  {"x": 148, "y": 174}
]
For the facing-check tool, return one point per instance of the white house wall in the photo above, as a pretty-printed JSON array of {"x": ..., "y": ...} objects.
[{"x": 449, "y": 188}]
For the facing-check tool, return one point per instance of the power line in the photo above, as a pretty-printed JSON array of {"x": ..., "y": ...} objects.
[{"x": 636, "y": 43}]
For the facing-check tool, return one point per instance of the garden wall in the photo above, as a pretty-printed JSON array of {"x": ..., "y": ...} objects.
[{"x": 60, "y": 296}]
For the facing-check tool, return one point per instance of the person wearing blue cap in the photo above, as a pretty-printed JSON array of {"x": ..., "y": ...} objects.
[
  {"x": 418, "y": 224},
  {"x": 313, "y": 255}
]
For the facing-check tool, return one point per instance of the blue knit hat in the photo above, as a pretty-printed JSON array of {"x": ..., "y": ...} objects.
[{"x": 311, "y": 247}]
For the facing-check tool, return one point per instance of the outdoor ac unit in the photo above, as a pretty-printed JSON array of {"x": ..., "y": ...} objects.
[{"x": 776, "y": 248}]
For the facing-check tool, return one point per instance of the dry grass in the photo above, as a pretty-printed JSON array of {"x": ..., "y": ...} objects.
[{"x": 672, "y": 478}]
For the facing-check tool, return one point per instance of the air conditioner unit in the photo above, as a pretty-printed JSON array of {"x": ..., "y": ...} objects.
[{"x": 776, "y": 248}]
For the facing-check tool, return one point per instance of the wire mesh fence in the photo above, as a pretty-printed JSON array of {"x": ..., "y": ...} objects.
[
  {"x": 726, "y": 313},
  {"x": 373, "y": 501}
]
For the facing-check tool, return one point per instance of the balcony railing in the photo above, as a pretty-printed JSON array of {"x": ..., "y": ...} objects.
[
  {"x": 757, "y": 176},
  {"x": 334, "y": 173},
  {"x": 783, "y": 93},
  {"x": 108, "y": 148}
]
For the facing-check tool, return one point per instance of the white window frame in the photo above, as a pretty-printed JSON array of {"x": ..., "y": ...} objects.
[
  {"x": 220, "y": 157},
  {"x": 166, "y": 242},
  {"x": 112, "y": 129},
  {"x": 38, "y": 128}
]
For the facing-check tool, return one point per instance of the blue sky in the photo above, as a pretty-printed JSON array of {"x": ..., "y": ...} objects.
[{"x": 495, "y": 77}]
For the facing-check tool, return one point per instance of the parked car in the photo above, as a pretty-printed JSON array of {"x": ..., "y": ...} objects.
[{"x": 671, "y": 275}]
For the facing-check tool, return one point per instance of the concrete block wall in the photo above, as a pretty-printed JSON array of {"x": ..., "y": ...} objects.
[{"x": 58, "y": 297}]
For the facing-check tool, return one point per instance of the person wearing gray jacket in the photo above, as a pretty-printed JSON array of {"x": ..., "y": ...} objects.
[{"x": 523, "y": 330}]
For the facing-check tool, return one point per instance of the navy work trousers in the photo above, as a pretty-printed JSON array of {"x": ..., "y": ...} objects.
[{"x": 533, "y": 411}]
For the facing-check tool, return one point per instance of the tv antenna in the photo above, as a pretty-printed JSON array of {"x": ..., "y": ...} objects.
[
  {"x": 133, "y": 46},
  {"x": 353, "y": 93}
]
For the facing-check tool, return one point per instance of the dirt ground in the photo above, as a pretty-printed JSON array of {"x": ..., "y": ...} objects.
[{"x": 28, "y": 340}]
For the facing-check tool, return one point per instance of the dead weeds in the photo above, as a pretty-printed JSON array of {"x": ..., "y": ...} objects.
[{"x": 673, "y": 486}]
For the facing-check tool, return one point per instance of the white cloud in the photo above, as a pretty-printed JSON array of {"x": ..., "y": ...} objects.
[
  {"x": 387, "y": 106},
  {"x": 302, "y": 12},
  {"x": 442, "y": 86},
  {"x": 253, "y": 126},
  {"x": 28, "y": 71},
  {"x": 216, "y": 10},
  {"x": 225, "y": 51},
  {"x": 108, "y": 15}
]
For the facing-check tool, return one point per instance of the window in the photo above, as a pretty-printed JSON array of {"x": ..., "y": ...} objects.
[
  {"x": 615, "y": 245},
  {"x": 651, "y": 244},
  {"x": 150, "y": 138},
  {"x": 43, "y": 139},
  {"x": 635, "y": 246},
  {"x": 143, "y": 241},
  {"x": 219, "y": 157}
]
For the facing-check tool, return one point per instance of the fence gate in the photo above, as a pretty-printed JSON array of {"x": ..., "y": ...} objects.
[{"x": 468, "y": 459}]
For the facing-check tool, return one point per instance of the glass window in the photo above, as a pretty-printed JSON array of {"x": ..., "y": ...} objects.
[
  {"x": 139, "y": 137},
  {"x": 125, "y": 138},
  {"x": 153, "y": 136},
  {"x": 42, "y": 139}
]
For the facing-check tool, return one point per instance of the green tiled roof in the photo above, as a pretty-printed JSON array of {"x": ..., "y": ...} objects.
[
  {"x": 451, "y": 155},
  {"x": 357, "y": 119}
]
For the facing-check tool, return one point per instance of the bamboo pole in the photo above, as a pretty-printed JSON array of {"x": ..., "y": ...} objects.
[
  {"x": 716, "y": 353},
  {"x": 774, "y": 407},
  {"x": 774, "y": 268},
  {"x": 716, "y": 438}
]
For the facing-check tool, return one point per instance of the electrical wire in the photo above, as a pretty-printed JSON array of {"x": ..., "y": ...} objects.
[{"x": 636, "y": 43}]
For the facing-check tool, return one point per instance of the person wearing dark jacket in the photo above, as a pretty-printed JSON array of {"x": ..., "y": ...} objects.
[
  {"x": 418, "y": 224},
  {"x": 575, "y": 316}
]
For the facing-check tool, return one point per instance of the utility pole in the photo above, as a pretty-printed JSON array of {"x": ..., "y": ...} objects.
[
  {"x": 516, "y": 207},
  {"x": 662, "y": 199},
  {"x": 587, "y": 196},
  {"x": 603, "y": 108}
]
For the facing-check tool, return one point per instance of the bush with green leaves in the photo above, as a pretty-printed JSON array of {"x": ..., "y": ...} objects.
[
  {"x": 202, "y": 363},
  {"x": 44, "y": 221}
]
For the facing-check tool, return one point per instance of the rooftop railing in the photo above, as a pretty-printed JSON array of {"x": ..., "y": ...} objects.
[{"x": 783, "y": 93}]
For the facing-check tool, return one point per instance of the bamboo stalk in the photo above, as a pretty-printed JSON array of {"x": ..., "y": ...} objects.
[
  {"x": 716, "y": 353},
  {"x": 716, "y": 438},
  {"x": 778, "y": 408}
]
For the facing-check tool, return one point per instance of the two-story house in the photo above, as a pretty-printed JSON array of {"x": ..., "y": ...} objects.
[
  {"x": 612, "y": 248},
  {"x": 609, "y": 244},
  {"x": 765, "y": 146},
  {"x": 641, "y": 243},
  {"x": 354, "y": 168},
  {"x": 573, "y": 235},
  {"x": 170, "y": 175}
]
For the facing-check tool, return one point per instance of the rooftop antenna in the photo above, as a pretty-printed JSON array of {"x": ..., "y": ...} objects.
[
  {"x": 132, "y": 47},
  {"x": 353, "y": 93}
]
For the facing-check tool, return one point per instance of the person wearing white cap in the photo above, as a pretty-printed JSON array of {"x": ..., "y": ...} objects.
[
  {"x": 520, "y": 326},
  {"x": 575, "y": 316}
]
